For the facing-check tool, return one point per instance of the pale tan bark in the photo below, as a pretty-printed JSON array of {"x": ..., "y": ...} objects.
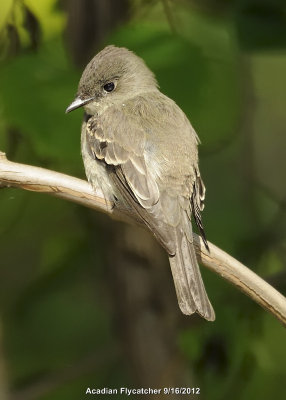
[{"x": 79, "y": 191}]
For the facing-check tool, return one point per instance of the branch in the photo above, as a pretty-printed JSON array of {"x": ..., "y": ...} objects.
[{"x": 78, "y": 191}]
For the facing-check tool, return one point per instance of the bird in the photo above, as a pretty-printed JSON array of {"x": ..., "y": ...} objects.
[{"x": 140, "y": 149}]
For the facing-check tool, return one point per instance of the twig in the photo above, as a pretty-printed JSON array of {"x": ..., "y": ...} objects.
[
  {"x": 170, "y": 16},
  {"x": 76, "y": 190}
]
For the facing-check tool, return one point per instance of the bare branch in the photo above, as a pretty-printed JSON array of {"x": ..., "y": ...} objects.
[
  {"x": 42, "y": 180},
  {"x": 76, "y": 190}
]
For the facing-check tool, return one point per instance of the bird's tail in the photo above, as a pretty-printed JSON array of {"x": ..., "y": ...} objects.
[{"x": 191, "y": 293}]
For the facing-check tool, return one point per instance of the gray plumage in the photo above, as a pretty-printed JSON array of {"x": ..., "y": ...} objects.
[{"x": 140, "y": 149}]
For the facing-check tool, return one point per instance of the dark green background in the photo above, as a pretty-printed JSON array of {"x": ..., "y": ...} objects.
[{"x": 62, "y": 328}]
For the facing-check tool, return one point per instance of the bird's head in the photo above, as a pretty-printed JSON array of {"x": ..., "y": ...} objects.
[{"x": 111, "y": 77}]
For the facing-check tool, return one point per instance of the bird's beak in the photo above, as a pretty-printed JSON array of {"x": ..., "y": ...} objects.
[{"x": 78, "y": 102}]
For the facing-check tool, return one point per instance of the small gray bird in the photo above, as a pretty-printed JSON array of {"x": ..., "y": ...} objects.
[{"x": 140, "y": 149}]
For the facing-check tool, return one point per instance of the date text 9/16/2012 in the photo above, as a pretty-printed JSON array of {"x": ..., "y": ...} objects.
[{"x": 140, "y": 391}]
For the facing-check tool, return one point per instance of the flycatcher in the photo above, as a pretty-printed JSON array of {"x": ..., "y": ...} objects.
[{"x": 140, "y": 149}]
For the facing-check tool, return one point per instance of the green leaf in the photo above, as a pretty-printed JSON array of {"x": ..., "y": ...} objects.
[{"x": 6, "y": 6}]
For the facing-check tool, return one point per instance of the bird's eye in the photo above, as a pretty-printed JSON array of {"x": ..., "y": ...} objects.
[{"x": 108, "y": 87}]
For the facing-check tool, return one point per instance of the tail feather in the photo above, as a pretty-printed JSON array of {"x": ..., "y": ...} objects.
[{"x": 191, "y": 293}]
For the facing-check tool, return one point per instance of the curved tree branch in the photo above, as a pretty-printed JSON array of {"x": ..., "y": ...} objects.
[{"x": 76, "y": 190}]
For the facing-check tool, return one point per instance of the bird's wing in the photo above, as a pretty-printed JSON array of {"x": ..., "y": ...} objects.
[
  {"x": 197, "y": 204},
  {"x": 119, "y": 141}
]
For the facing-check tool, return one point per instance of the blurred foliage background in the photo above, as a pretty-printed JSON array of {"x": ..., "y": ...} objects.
[{"x": 89, "y": 302}]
